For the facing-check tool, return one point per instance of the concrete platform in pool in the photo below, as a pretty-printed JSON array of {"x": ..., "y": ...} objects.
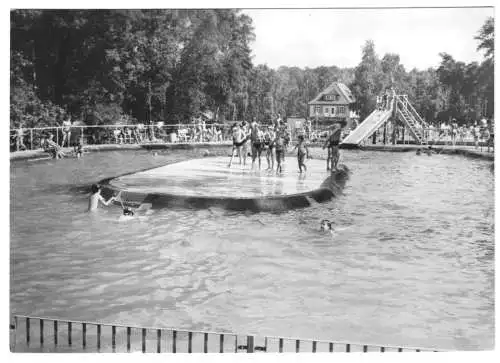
[{"x": 207, "y": 182}]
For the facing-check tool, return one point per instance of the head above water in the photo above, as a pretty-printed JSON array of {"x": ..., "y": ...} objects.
[
  {"x": 95, "y": 188},
  {"x": 326, "y": 225}
]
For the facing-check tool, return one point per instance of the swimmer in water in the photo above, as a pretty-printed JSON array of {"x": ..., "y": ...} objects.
[
  {"x": 78, "y": 149},
  {"x": 128, "y": 212},
  {"x": 326, "y": 225},
  {"x": 96, "y": 197},
  {"x": 419, "y": 152}
]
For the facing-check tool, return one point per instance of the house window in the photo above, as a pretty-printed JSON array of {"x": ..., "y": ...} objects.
[
  {"x": 329, "y": 98},
  {"x": 341, "y": 110},
  {"x": 317, "y": 109},
  {"x": 327, "y": 110},
  {"x": 337, "y": 97}
]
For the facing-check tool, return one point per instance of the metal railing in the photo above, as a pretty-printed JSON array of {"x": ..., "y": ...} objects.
[
  {"x": 37, "y": 334},
  {"x": 112, "y": 134},
  {"x": 434, "y": 136},
  {"x": 30, "y": 138}
]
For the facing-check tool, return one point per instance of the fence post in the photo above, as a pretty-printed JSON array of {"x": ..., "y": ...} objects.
[
  {"x": 57, "y": 135},
  {"x": 31, "y": 139},
  {"x": 250, "y": 344}
]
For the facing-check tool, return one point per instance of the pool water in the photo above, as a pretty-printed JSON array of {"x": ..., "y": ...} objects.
[{"x": 411, "y": 261}]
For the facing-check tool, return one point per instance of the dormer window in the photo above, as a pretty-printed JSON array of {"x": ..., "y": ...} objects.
[{"x": 332, "y": 97}]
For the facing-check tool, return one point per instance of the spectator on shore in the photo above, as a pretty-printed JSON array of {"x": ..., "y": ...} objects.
[
  {"x": 51, "y": 147},
  {"x": 442, "y": 130},
  {"x": 462, "y": 133},
  {"x": 217, "y": 134},
  {"x": 454, "y": 132},
  {"x": 277, "y": 123},
  {"x": 66, "y": 131},
  {"x": 117, "y": 134},
  {"x": 137, "y": 134},
  {"x": 19, "y": 139},
  {"x": 485, "y": 137},
  {"x": 476, "y": 134},
  {"x": 308, "y": 129},
  {"x": 491, "y": 140}
]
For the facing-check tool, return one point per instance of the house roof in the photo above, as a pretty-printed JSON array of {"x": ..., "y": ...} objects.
[{"x": 346, "y": 96}]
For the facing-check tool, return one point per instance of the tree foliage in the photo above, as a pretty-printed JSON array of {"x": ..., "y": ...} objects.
[{"x": 103, "y": 65}]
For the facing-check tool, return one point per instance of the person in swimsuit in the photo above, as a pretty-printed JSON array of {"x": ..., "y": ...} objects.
[
  {"x": 246, "y": 130},
  {"x": 239, "y": 139},
  {"x": 280, "y": 152},
  {"x": 269, "y": 140},
  {"x": 302, "y": 153},
  {"x": 53, "y": 148},
  {"x": 78, "y": 149},
  {"x": 96, "y": 197},
  {"x": 332, "y": 146},
  {"x": 66, "y": 130},
  {"x": 277, "y": 123},
  {"x": 257, "y": 140}
]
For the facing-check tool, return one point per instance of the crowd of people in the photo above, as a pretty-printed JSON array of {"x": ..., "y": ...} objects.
[
  {"x": 274, "y": 140},
  {"x": 477, "y": 132},
  {"x": 384, "y": 101}
]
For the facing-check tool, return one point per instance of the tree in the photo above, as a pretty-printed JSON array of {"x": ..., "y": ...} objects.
[
  {"x": 368, "y": 80},
  {"x": 486, "y": 38}
]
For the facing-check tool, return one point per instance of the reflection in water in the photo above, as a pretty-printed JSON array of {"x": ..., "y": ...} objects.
[{"x": 411, "y": 261}]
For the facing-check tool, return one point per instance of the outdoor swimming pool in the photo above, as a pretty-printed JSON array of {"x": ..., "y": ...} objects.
[{"x": 411, "y": 262}]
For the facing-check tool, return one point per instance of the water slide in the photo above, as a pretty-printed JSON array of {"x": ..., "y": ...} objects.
[{"x": 366, "y": 128}]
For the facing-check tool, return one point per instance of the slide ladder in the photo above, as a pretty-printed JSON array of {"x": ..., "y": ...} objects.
[{"x": 407, "y": 114}]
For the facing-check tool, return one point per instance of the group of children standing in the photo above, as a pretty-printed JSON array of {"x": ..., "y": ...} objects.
[{"x": 274, "y": 141}]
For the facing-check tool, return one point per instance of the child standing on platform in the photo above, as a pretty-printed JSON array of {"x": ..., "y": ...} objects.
[
  {"x": 280, "y": 151},
  {"x": 302, "y": 153}
]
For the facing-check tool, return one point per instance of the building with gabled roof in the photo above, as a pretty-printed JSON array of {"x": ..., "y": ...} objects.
[{"x": 333, "y": 104}]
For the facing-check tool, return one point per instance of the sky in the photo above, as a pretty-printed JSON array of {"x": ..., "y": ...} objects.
[{"x": 316, "y": 37}]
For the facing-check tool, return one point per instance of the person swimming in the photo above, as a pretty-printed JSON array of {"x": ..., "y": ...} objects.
[
  {"x": 326, "y": 225},
  {"x": 128, "y": 212},
  {"x": 96, "y": 197},
  {"x": 78, "y": 149}
]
